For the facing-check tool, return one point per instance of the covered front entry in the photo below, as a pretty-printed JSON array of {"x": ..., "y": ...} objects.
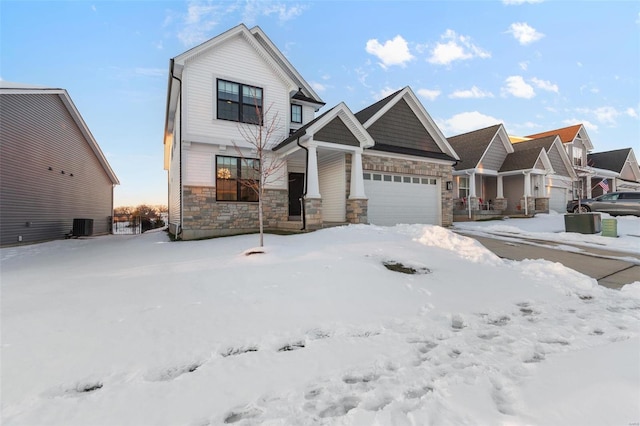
[
  {"x": 395, "y": 199},
  {"x": 296, "y": 189}
]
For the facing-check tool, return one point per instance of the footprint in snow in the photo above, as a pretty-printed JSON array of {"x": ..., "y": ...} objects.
[{"x": 242, "y": 414}]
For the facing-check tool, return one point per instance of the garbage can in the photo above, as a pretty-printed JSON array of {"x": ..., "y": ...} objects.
[
  {"x": 583, "y": 223},
  {"x": 610, "y": 228}
]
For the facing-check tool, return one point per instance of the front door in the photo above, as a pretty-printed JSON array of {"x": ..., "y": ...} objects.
[{"x": 296, "y": 187}]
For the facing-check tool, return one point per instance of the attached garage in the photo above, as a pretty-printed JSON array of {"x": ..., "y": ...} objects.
[
  {"x": 558, "y": 199},
  {"x": 395, "y": 199}
]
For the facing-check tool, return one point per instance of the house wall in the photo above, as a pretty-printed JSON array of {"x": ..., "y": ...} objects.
[
  {"x": 174, "y": 179},
  {"x": 235, "y": 60},
  {"x": 443, "y": 172},
  {"x": 555, "y": 157},
  {"x": 37, "y": 132},
  {"x": 204, "y": 217},
  {"x": 331, "y": 173},
  {"x": 494, "y": 157},
  {"x": 513, "y": 189}
]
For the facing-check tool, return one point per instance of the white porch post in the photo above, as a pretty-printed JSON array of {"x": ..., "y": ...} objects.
[
  {"x": 357, "y": 180},
  {"x": 500, "y": 189},
  {"x": 313, "y": 185},
  {"x": 587, "y": 180},
  {"x": 472, "y": 185},
  {"x": 527, "y": 184}
]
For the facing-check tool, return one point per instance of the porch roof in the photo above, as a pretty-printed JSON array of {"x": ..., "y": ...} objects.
[
  {"x": 522, "y": 159},
  {"x": 609, "y": 160}
]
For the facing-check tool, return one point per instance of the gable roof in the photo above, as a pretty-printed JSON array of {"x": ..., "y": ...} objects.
[
  {"x": 26, "y": 89},
  {"x": 525, "y": 158},
  {"x": 400, "y": 124},
  {"x": 609, "y": 160},
  {"x": 326, "y": 124},
  {"x": 547, "y": 142},
  {"x": 567, "y": 134},
  {"x": 472, "y": 146}
]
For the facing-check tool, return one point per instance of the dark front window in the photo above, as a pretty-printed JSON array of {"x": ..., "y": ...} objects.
[
  {"x": 239, "y": 102},
  {"x": 236, "y": 178},
  {"x": 296, "y": 113}
]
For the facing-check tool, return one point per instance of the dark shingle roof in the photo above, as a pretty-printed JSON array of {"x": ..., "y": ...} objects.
[
  {"x": 609, "y": 160},
  {"x": 300, "y": 132},
  {"x": 521, "y": 159},
  {"x": 470, "y": 146},
  {"x": 365, "y": 114}
]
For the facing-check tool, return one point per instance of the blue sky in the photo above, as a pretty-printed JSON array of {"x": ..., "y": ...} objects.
[{"x": 532, "y": 65}]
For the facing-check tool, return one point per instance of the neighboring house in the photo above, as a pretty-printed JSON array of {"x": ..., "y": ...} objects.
[
  {"x": 52, "y": 170},
  {"x": 618, "y": 168},
  {"x": 478, "y": 187},
  {"x": 387, "y": 164},
  {"x": 498, "y": 174},
  {"x": 557, "y": 184},
  {"x": 577, "y": 144}
]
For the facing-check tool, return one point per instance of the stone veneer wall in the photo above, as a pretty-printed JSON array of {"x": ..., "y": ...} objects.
[
  {"x": 203, "y": 216},
  {"x": 356, "y": 209},
  {"x": 313, "y": 213},
  {"x": 542, "y": 204},
  {"x": 412, "y": 167}
]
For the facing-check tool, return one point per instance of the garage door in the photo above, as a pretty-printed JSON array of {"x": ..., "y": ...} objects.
[
  {"x": 558, "y": 199},
  {"x": 395, "y": 199}
]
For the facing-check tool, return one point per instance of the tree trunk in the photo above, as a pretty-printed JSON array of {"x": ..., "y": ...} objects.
[{"x": 260, "y": 220}]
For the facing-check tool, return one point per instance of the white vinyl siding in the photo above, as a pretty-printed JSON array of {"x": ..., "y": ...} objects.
[
  {"x": 395, "y": 199},
  {"x": 237, "y": 61},
  {"x": 331, "y": 172},
  {"x": 199, "y": 166}
]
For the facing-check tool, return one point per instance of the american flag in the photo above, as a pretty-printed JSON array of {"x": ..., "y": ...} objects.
[{"x": 604, "y": 184}]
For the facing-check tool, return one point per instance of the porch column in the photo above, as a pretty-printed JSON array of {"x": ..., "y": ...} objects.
[
  {"x": 313, "y": 185},
  {"x": 472, "y": 185},
  {"x": 587, "y": 181},
  {"x": 357, "y": 180},
  {"x": 500, "y": 189},
  {"x": 527, "y": 184}
]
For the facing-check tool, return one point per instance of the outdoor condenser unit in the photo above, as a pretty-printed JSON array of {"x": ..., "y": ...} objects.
[{"x": 82, "y": 227}]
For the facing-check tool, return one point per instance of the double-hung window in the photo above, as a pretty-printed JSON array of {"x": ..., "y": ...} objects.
[
  {"x": 296, "y": 113},
  {"x": 237, "y": 178},
  {"x": 239, "y": 102},
  {"x": 463, "y": 186}
]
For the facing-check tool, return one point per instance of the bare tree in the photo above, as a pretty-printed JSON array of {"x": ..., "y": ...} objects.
[{"x": 261, "y": 136}]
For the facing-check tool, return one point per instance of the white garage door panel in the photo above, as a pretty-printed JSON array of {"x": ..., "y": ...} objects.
[
  {"x": 558, "y": 199},
  {"x": 391, "y": 203}
]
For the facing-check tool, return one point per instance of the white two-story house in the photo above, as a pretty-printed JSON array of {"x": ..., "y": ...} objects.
[{"x": 387, "y": 164}]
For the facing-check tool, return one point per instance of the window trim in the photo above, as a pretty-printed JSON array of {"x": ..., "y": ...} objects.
[
  {"x": 292, "y": 115},
  {"x": 239, "y": 102},
  {"x": 239, "y": 178}
]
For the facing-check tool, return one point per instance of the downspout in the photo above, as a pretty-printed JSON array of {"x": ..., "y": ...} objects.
[
  {"x": 526, "y": 202},
  {"x": 304, "y": 193},
  {"x": 179, "y": 230}
]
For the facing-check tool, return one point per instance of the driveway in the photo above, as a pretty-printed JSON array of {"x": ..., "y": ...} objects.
[{"x": 611, "y": 269}]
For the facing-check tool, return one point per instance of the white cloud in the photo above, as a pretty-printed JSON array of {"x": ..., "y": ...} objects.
[
  {"x": 606, "y": 114},
  {"x": 466, "y": 122},
  {"x": 383, "y": 93},
  {"x": 362, "y": 76},
  {"x": 474, "y": 92},
  {"x": 631, "y": 112},
  {"x": 516, "y": 86},
  {"x": 523, "y": 65},
  {"x": 524, "y": 33},
  {"x": 318, "y": 87},
  {"x": 545, "y": 85},
  {"x": 586, "y": 123},
  {"x": 429, "y": 94},
  {"x": 455, "y": 48},
  {"x": 200, "y": 19},
  {"x": 392, "y": 52},
  {"x": 284, "y": 11}
]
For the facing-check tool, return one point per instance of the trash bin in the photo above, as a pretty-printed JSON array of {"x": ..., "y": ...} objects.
[
  {"x": 583, "y": 223},
  {"x": 610, "y": 228},
  {"x": 82, "y": 227}
]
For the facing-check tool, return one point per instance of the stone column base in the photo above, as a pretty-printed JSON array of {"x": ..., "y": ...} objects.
[
  {"x": 357, "y": 210},
  {"x": 313, "y": 213}
]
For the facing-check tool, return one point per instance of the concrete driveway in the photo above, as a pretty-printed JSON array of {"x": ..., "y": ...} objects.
[{"x": 611, "y": 269}]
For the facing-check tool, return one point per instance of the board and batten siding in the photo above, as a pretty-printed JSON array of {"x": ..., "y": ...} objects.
[
  {"x": 237, "y": 61},
  {"x": 39, "y": 140},
  {"x": 331, "y": 173}
]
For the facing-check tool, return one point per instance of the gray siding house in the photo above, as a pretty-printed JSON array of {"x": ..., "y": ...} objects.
[{"x": 52, "y": 170}]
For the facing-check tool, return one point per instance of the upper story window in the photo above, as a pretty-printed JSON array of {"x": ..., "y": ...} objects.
[
  {"x": 577, "y": 153},
  {"x": 236, "y": 178},
  {"x": 296, "y": 113},
  {"x": 239, "y": 102}
]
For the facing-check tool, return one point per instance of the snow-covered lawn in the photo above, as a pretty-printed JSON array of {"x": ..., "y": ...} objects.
[
  {"x": 551, "y": 227},
  {"x": 137, "y": 330}
]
